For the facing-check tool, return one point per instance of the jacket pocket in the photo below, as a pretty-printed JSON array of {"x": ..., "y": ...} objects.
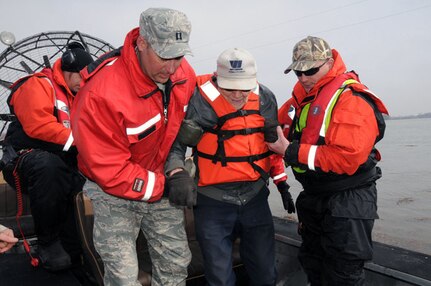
[{"x": 143, "y": 131}]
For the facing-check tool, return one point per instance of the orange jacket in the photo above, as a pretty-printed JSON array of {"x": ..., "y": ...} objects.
[
  {"x": 233, "y": 147},
  {"x": 34, "y": 105},
  {"x": 352, "y": 130}
]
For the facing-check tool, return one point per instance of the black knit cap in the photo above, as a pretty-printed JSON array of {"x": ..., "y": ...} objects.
[{"x": 75, "y": 58}]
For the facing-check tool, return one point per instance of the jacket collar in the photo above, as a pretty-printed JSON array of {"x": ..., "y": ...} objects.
[
  {"x": 58, "y": 76},
  {"x": 302, "y": 97},
  {"x": 142, "y": 84}
]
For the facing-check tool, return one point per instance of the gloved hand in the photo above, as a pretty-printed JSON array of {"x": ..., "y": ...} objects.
[
  {"x": 181, "y": 189},
  {"x": 270, "y": 131},
  {"x": 286, "y": 197}
]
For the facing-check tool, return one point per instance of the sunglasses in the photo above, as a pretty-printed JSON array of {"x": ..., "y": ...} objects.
[{"x": 311, "y": 71}]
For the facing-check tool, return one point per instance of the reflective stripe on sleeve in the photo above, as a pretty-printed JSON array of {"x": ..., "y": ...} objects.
[
  {"x": 312, "y": 157},
  {"x": 151, "y": 180},
  {"x": 69, "y": 142},
  {"x": 279, "y": 176}
]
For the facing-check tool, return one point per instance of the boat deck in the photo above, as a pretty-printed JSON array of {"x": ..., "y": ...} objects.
[{"x": 390, "y": 266}]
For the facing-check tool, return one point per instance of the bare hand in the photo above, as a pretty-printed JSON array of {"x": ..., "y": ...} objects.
[
  {"x": 281, "y": 144},
  {"x": 7, "y": 240}
]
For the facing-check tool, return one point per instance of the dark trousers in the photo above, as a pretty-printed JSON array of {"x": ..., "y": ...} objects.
[
  {"x": 218, "y": 224},
  {"x": 336, "y": 235},
  {"x": 51, "y": 185}
]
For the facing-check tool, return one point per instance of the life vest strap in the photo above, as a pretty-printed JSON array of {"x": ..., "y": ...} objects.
[
  {"x": 239, "y": 113},
  {"x": 249, "y": 159},
  {"x": 227, "y": 134},
  {"x": 223, "y": 135}
]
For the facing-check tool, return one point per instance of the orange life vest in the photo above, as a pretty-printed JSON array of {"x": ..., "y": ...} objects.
[{"x": 234, "y": 149}]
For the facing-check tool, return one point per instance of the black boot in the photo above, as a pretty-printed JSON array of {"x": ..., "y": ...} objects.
[{"x": 53, "y": 256}]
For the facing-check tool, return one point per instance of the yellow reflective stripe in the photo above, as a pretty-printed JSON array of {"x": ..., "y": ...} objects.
[
  {"x": 330, "y": 107},
  {"x": 349, "y": 81},
  {"x": 328, "y": 113},
  {"x": 298, "y": 170},
  {"x": 302, "y": 122}
]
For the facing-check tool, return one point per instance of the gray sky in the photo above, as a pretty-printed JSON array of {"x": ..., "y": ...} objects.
[{"x": 388, "y": 42}]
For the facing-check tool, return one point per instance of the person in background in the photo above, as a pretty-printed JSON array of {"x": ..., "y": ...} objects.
[
  {"x": 7, "y": 239},
  {"x": 125, "y": 120},
  {"x": 229, "y": 118},
  {"x": 331, "y": 149},
  {"x": 39, "y": 147}
]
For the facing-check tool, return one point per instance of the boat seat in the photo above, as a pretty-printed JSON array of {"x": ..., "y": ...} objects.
[
  {"x": 9, "y": 208},
  {"x": 84, "y": 212}
]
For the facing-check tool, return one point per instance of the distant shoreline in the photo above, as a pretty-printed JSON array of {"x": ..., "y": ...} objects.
[{"x": 418, "y": 116}]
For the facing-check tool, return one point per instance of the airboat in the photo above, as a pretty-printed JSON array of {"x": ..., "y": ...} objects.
[{"x": 390, "y": 265}]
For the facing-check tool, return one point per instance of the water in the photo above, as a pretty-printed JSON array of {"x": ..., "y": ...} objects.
[{"x": 404, "y": 191}]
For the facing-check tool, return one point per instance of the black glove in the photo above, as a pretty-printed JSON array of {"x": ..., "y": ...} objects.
[
  {"x": 270, "y": 131},
  {"x": 286, "y": 197},
  {"x": 181, "y": 189}
]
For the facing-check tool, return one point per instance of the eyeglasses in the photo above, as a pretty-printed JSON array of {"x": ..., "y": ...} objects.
[{"x": 311, "y": 71}]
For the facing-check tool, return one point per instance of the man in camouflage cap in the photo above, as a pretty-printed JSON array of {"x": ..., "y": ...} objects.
[
  {"x": 331, "y": 150},
  {"x": 126, "y": 118}
]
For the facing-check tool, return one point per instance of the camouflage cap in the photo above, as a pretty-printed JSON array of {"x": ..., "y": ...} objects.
[
  {"x": 167, "y": 31},
  {"x": 308, "y": 52}
]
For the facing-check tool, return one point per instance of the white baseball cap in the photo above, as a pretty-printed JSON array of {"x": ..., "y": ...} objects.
[{"x": 236, "y": 69}]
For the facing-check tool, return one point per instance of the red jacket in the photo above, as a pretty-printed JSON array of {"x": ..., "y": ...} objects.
[{"x": 119, "y": 125}]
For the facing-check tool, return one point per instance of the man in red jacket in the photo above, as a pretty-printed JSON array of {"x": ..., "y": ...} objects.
[
  {"x": 40, "y": 141},
  {"x": 126, "y": 117},
  {"x": 331, "y": 150}
]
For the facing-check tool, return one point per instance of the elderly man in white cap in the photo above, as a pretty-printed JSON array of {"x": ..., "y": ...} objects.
[
  {"x": 229, "y": 118},
  {"x": 126, "y": 118}
]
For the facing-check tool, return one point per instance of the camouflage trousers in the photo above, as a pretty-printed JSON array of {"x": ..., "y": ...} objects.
[{"x": 116, "y": 228}]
